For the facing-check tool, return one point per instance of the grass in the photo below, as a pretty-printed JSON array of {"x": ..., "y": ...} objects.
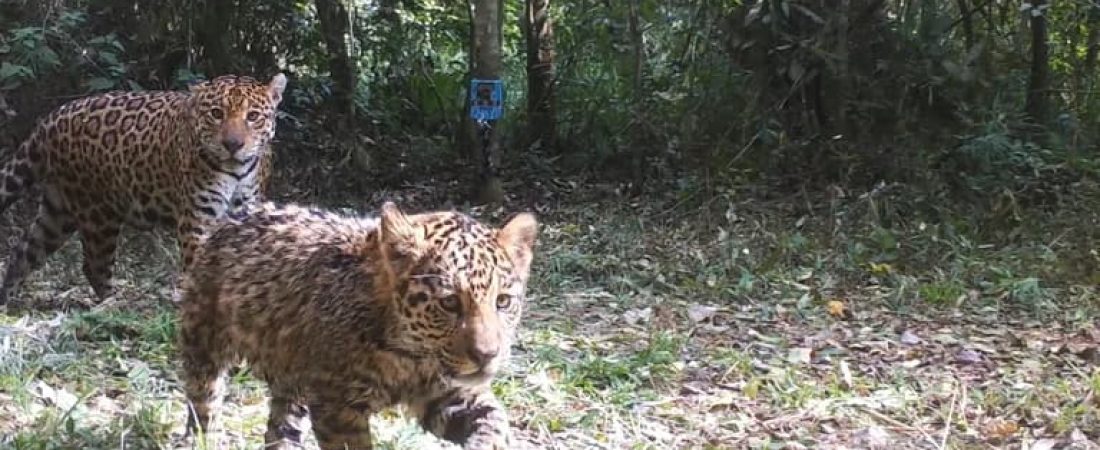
[{"x": 654, "y": 327}]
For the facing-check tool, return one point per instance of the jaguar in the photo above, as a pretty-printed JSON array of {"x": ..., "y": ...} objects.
[
  {"x": 177, "y": 159},
  {"x": 344, "y": 316}
]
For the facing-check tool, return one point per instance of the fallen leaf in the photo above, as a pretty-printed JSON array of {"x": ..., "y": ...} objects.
[
  {"x": 946, "y": 339},
  {"x": 636, "y": 316},
  {"x": 61, "y": 398},
  {"x": 908, "y": 338},
  {"x": 1000, "y": 429},
  {"x": 968, "y": 356},
  {"x": 699, "y": 313},
  {"x": 1091, "y": 354},
  {"x": 799, "y": 355},
  {"x": 835, "y": 308},
  {"x": 992, "y": 331},
  {"x": 1093, "y": 333},
  {"x": 846, "y": 374},
  {"x": 880, "y": 268},
  {"x": 873, "y": 437},
  {"x": 983, "y": 348},
  {"x": 1043, "y": 444},
  {"x": 1083, "y": 348}
]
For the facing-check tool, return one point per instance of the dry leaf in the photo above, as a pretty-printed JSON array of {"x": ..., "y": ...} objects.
[
  {"x": 1043, "y": 444},
  {"x": 699, "y": 313},
  {"x": 945, "y": 338},
  {"x": 61, "y": 398},
  {"x": 983, "y": 348},
  {"x": 1077, "y": 436},
  {"x": 908, "y": 338},
  {"x": 846, "y": 374},
  {"x": 873, "y": 437},
  {"x": 636, "y": 316},
  {"x": 968, "y": 356},
  {"x": 1000, "y": 429},
  {"x": 835, "y": 308},
  {"x": 880, "y": 268},
  {"x": 799, "y": 355}
]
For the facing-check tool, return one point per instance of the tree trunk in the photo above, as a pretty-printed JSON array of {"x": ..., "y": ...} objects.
[
  {"x": 486, "y": 64},
  {"x": 212, "y": 33},
  {"x": 392, "y": 43},
  {"x": 387, "y": 11},
  {"x": 637, "y": 42},
  {"x": 836, "y": 120},
  {"x": 335, "y": 28},
  {"x": 966, "y": 16},
  {"x": 1039, "y": 80},
  {"x": 539, "y": 34},
  {"x": 638, "y": 166},
  {"x": 1093, "y": 45}
]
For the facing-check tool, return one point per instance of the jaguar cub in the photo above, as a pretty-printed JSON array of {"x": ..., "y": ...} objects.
[
  {"x": 174, "y": 159},
  {"x": 344, "y": 316}
]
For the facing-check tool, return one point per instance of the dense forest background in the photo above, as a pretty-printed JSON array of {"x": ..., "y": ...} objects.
[
  {"x": 956, "y": 99},
  {"x": 766, "y": 224}
]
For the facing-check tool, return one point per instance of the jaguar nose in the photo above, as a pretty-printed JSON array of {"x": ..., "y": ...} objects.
[
  {"x": 484, "y": 353},
  {"x": 232, "y": 144}
]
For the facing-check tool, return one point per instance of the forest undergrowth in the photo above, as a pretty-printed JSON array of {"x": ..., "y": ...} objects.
[{"x": 732, "y": 317}]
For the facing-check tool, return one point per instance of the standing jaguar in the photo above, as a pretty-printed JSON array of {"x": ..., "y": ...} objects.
[{"x": 172, "y": 159}]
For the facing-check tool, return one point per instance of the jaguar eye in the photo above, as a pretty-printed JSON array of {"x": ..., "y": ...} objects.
[
  {"x": 217, "y": 113},
  {"x": 450, "y": 303},
  {"x": 504, "y": 301},
  {"x": 253, "y": 116}
]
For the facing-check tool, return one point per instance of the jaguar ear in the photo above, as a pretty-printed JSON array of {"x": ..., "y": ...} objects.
[
  {"x": 276, "y": 87},
  {"x": 518, "y": 238},
  {"x": 399, "y": 238}
]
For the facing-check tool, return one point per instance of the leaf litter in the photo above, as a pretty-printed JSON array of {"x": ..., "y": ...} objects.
[{"x": 621, "y": 350}]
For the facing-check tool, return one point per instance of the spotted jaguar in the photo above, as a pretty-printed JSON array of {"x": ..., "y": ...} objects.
[
  {"x": 172, "y": 159},
  {"x": 345, "y": 316}
]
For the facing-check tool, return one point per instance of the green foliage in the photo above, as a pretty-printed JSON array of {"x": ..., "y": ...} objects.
[
  {"x": 941, "y": 292},
  {"x": 920, "y": 94},
  {"x": 29, "y": 55},
  {"x": 63, "y": 47}
]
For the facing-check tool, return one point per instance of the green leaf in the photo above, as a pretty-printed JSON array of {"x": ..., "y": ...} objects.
[
  {"x": 100, "y": 84},
  {"x": 47, "y": 57},
  {"x": 9, "y": 71},
  {"x": 12, "y": 75},
  {"x": 109, "y": 58},
  {"x": 107, "y": 41},
  {"x": 26, "y": 33}
]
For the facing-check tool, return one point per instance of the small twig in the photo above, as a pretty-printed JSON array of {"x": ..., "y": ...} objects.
[
  {"x": 1058, "y": 238},
  {"x": 898, "y": 424},
  {"x": 744, "y": 149},
  {"x": 950, "y": 416}
]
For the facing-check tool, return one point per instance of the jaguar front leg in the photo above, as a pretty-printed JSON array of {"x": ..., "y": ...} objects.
[
  {"x": 340, "y": 426},
  {"x": 286, "y": 421},
  {"x": 476, "y": 421},
  {"x": 253, "y": 188}
]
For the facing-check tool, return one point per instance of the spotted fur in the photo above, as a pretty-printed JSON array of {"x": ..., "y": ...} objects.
[
  {"x": 345, "y": 316},
  {"x": 172, "y": 159}
]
